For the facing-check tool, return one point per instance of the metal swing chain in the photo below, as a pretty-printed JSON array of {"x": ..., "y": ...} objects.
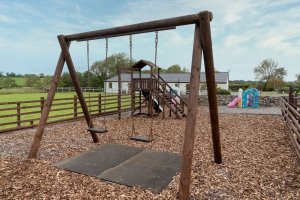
[
  {"x": 130, "y": 47},
  {"x": 156, "y": 42},
  {"x": 130, "y": 56},
  {"x": 105, "y": 71},
  {"x": 155, "y": 61},
  {"x": 88, "y": 66}
]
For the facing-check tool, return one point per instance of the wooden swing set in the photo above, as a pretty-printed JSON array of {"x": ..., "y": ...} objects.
[{"x": 202, "y": 44}]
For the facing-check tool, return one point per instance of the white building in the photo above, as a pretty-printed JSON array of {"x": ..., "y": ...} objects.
[{"x": 180, "y": 80}]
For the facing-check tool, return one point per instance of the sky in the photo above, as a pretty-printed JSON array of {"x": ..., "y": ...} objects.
[{"x": 244, "y": 32}]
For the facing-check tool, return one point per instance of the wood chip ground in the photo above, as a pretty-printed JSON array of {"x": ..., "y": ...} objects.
[{"x": 259, "y": 161}]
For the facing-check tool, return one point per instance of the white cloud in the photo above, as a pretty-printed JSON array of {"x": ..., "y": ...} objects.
[
  {"x": 243, "y": 30},
  {"x": 6, "y": 19},
  {"x": 236, "y": 40},
  {"x": 277, "y": 43}
]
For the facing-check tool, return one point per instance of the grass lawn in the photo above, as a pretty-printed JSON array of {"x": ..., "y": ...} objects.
[{"x": 35, "y": 96}]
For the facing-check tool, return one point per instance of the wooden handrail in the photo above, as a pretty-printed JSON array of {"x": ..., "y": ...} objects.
[
  {"x": 182, "y": 102},
  {"x": 174, "y": 110},
  {"x": 159, "y": 78}
]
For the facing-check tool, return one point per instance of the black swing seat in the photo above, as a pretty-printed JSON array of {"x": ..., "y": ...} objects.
[
  {"x": 141, "y": 138},
  {"x": 97, "y": 130}
]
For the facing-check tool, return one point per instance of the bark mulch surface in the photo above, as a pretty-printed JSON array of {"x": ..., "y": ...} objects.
[{"x": 258, "y": 160}]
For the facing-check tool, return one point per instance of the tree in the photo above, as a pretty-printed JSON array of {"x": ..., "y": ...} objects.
[
  {"x": 274, "y": 84},
  {"x": 298, "y": 79},
  {"x": 269, "y": 69},
  {"x": 12, "y": 74},
  {"x": 7, "y": 82},
  {"x": 105, "y": 69},
  {"x": 174, "y": 69},
  {"x": 65, "y": 80},
  {"x": 90, "y": 79},
  {"x": 269, "y": 72},
  {"x": 1, "y": 74},
  {"x": 32, "y": 80},
  {"x": 46, "y": 81}
]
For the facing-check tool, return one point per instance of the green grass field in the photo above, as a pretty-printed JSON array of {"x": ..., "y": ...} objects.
[
  {"x": 67, "y": 108},
  {"x": 20, "y": 81},
  {"x": 35, "y": 96}
]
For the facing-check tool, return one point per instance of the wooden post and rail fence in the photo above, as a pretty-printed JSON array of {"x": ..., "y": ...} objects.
[
  {"x": 26, "y": 114},
  {"x": 290, "y": 108}
]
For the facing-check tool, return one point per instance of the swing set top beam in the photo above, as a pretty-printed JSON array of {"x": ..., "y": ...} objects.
[{"x": 151, "y": 26}]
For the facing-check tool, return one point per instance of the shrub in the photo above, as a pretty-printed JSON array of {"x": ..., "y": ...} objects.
[
  {"x": 237, "y": 86},
  {"x": 283, "y": 90},
  {"x": 223, "y": 92}
]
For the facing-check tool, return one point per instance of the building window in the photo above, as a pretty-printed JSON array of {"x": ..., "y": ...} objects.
[
  {"x": 187, "y": 88},
  {"x": 109, "y": 85}
]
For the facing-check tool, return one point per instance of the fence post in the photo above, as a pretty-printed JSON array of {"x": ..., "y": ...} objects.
[
  {"x": 164, "y": 99},
  {"x": 99, "y": 104},
  {"x": 290, "y": 94},
  {"x": 42, "y": 103},
  {"x": 119, "y": 106},
  {"x": 18, "y": 114},
  {"x": 295, "y": 100},
  {"x": 119, "y": 93},
  {"x": 75, "y": 106}
]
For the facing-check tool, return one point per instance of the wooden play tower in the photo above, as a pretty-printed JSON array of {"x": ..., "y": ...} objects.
[{"x": 154, "y": 91}]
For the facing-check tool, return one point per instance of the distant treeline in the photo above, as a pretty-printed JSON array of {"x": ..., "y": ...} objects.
[
  {"x": 99, "y": 71},
  {"x": 263, "y": 86},
  {"x": 41, "y": 81}
]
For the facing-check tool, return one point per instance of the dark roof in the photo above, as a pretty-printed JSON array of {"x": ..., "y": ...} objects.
[
  {"x": 142, "y": 63},
  {"x": 221, "y": 77}
]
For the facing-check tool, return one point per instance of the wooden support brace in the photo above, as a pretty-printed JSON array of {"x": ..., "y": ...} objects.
[
  {"x": 67, "y": 56},
  {"x": 190, "y": 124},
  {"x": 45, "y": 113},
  {"x": 211, "y": 85}
]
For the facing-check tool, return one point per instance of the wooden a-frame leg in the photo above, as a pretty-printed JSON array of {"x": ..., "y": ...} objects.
[
  {"x": 47, "y": 106},
  {"x": 190, "y": 124},
  {"x": 211, "y": 86},
  {"x": 67, "y": 56}
]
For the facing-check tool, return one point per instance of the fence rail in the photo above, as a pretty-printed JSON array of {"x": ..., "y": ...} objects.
[
  {"x": 291, "y": 116},
  {"x": 26, "y": 114}
]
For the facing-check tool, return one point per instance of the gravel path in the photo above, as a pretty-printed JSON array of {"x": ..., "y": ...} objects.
[{"x": 255, "y": 111}]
